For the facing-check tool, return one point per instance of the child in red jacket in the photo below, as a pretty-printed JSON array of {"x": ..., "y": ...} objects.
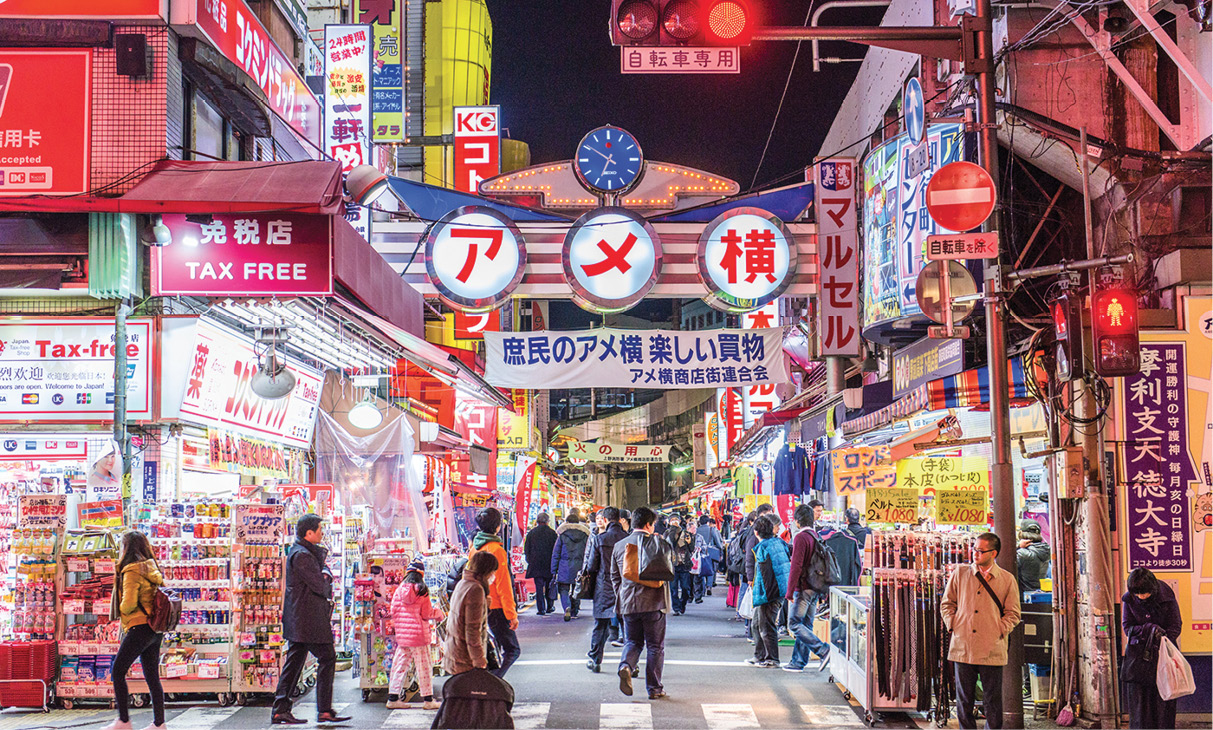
[{"x": 412, "y": 614}]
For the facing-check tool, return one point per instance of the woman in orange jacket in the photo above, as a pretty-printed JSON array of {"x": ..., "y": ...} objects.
[{"x": 503, "y": 611}]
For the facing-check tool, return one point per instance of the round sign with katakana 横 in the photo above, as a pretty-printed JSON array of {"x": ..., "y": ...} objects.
[
  {"x": 611, "y": 258},
  {"x": 747, "y": 258},
  {"x": 475, "y": 257}
]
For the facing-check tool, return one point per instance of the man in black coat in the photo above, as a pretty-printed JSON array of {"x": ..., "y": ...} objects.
[
  {"x": 307, "y": 614},
  {"x": 604, "y": 592},
  {"x": 538, "y": 550}
]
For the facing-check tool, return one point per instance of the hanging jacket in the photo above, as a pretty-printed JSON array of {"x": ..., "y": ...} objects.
[
  {"x": 569, "y": 554},
  {"x": 1144, "y": 623},
  {"x": 501, "y": 594},
  {"x": 132, "y": 604},
  {"x": 411, "y": 616},
  {"x": 772, "y": 564},
  {"x": 850, "y": 557}
]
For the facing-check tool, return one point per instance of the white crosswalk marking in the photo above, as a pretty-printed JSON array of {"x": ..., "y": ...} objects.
[
  {"x": 730, "y": 717},
  {"x": 202, "y": 718},
  {"x": 530, "y": 715},
  {"x": 307, "y": 710},
  {"x": 415, "y": 718},
  {"x": 625, "y": 716},
  {"x": 831, "y": 716}
]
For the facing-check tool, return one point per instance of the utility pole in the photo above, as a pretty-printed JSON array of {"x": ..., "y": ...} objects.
[{"x": 121, "y": 436}]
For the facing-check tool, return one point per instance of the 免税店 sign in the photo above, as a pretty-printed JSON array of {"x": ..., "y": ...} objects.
[
  {"x": 747, "y": 258},
  {"x": 610, "y": 357},
  {"x": 838, "y": 256},
  {"x": 620, "y": 453},
  {"x": 62, "y": 369},
  {"x": 255, "y": 254},
  {"x": 41, "y": 152}
]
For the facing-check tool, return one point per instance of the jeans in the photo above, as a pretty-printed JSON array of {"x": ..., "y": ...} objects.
[
  {"x": 142, "y": 643},
  {"x": 766, "y": 638},
  {"x": 645, "y": 630},
  {"x": 966, "y": 691},
  {"x": 801, "y": 612},
  {"x": 681, "y": 589},
  {"x": 568, "y": 598},
  {"x": 544, "y": 590},
  {"x": 292, "y": 667},
  {"x": 507, "y": 640}
]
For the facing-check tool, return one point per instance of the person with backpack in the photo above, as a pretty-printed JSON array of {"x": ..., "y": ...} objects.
[
  {"x": 710, "y": 547},
  {"x": 136, "y": 581},
  {"x": 682, "y": 587},
  {"x": 643, "y": 605},
  {"x": 803, "y": 595},
  {"x": 412, "y": 613},
  {"x": 770, "y": 583},
  {"x": 307, "y": 623}
]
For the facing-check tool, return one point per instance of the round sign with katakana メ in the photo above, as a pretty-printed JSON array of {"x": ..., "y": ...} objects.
[
  {"x": 475, "y": 257},
  {"x": 611, "y": 258},
  {"x": 747, "y": 258}
]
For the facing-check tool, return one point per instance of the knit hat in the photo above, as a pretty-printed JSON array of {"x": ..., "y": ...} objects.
[{"x": 417, "y": 566}]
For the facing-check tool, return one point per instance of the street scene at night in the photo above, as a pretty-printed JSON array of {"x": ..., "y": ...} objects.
[{"x": 606, "y": 364}]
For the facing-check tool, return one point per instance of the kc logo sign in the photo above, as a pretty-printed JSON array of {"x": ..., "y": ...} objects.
[
  {"x": 475, "y": 257},
  {"x": 477, "y": 145},
  {"x": 746, "y": 259},
  {"x": 612, "y": 258}
]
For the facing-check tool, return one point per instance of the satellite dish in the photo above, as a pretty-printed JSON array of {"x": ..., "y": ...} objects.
[{"x": 272, "y": 380}]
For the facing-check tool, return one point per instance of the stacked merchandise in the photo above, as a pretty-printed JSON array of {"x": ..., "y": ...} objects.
[
  {"x": 334, "y": 541},
  {"x": 90, "y": 639},
  {"x": 260, "y": 529},
  {"x": 908, "y": 638},
  {"x": 373, "y": 591},
  {"x": 352, "y": 557},
  {"x": 26, "y": 670}
]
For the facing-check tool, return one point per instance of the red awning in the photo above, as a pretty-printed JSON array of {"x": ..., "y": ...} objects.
[
  {"x": 175, "y": 186},
  {"x": 360, "y": 268}
]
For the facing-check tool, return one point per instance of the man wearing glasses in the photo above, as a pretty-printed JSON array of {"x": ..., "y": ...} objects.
[{"x": 981, "y": 607}]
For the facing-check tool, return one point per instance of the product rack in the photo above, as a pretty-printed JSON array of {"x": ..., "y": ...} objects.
[
  {"x": 373, "y": 591},
  {"x": 260, "y": 529}
]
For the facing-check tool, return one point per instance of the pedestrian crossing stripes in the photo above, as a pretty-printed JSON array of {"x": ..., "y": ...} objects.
[
  {"x": 625, "y": 716},
  {"x": 203, "y": 718},
  {"x": 724, "y": 717}
]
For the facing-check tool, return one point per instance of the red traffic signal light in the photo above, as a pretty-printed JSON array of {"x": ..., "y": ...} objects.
[
  {"x": 1067, "y": 325},
  {"x": 1114, "y": 331},
  {"x": 682, "y": 22}
]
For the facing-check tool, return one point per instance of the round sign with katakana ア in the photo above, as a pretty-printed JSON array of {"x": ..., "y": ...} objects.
[
  {"x": 747, "y": 258},
  {"x": 611, "y": 258},
  {"x": 475, "y": 257}
]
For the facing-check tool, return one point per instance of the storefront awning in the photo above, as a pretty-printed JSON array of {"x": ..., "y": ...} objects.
[{"x": 361, "y": 269}]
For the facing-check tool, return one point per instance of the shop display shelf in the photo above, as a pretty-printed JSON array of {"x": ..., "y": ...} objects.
[
  {"x": 206, "y": 605},
  {"x": 74, "y": 648}
]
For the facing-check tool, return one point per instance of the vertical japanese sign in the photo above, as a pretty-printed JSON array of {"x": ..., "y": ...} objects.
[
  {"x": 387, "y": 68},
  {"x": 476, "y": 421},
  {"x": 526, "y": 468},
  {"x": 838, "y": 256},
  {"x": 711, "y": 440},
  {"x": 477, "y": 146},
  {"x": 347, "y": 105},
  {"x": 761, "y": 398},
  {"x": 731, "y": 418},
  {"x": 41, "y": 152}
]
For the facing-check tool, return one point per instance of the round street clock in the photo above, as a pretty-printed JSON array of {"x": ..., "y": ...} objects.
[{"x": 609, "y": 161}]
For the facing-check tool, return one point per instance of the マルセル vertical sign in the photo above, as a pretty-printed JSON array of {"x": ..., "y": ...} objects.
[
  {"x": 477, "y": 145},
  {"x": 837, "y": 256}
]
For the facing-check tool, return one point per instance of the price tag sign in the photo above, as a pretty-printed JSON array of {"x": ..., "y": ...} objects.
[
  {"x": 961, "y": 507},
  {"x": 75, "y": 605},
  {"x": 208, "y": 671},
  {"x": 104, "y": 566},
  {"x": 176, "y": 670},
  {"x": 892, "y": 504},
  {"x": 77, "y": 565}
]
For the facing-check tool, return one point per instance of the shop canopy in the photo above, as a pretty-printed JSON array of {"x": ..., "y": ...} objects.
[{"x": 969, "y": 389}]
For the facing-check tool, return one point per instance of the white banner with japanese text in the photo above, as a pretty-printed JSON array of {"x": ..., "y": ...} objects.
[
  {"x": 838, "y": 256},
  {"x": 619, "y": 358},
  {"x": 621, "y": 453}
]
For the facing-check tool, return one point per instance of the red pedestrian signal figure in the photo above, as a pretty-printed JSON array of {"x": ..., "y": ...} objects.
[{"x": 1114, "y": 332}]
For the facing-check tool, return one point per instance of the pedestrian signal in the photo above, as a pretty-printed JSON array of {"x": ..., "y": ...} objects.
[{"x": 1114, "y": 331}]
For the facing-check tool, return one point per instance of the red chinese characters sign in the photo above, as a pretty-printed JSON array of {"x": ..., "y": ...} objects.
[
  {"x": 477, "y": 146},
  {"x": 760, "y": 398},
  {"x": 40, "y": 152},
  {"x": 838, "y": 257},
  {"x": 107, "y": 9},
  {"x": 246, "y": 255},
  {"x": 477, "y": 422},
  {"x": 232, "y": 28},
  {"x": 746, "y": 258}
]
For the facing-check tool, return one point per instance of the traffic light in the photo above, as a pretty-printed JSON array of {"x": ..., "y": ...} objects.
[
  {"x": 682, "y": 22},
  {"x": 1114, "y": 332},
  {"x": 1067, "y": 325}
]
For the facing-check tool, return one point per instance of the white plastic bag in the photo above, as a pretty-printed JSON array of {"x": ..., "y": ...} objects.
[
  {"x": 1174, "y": 673},
  {"x": 746, "y": 609}
]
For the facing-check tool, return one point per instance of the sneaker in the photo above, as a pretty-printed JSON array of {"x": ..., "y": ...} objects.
[
  {"x": 753, "y": 661},
  {"x": 593, "y": 666},
  {"x": 825, "y": 662},
  {"x": 568, "y": 616},
  {"x": 616, "y": 642},
  {"x": 659, "y": 694},
  {"x": 431, "y": 705},
  {"x": 792, "y": 668},
  {"x": 625, "y": 681},
  {"x": 769, "y": 664},
  {"x": 118, "y": 725},
  {"x": 398, "y": 705}
]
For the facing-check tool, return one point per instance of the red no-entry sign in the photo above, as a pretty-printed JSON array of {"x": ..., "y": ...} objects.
[{"x": 960, "y": 196}]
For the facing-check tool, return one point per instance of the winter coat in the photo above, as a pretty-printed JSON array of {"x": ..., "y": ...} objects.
[
  {"x": 501, "y": 595},
  {"x": 979, "y": 634},
  {"x": 1139, "y": 618},
  {"x": 634, "y": 597},
  {"x": 411, "y": 616},
  {"x": 803, "y": 544},
  {"x": 538, "y": 547},
  {"x": 772, "y": 563},
  {"x": 604, "y": 592},
  {"x": 684, "y": 547},
  {"x": 467, "y": 627},
  {"x": 307, "y": 609},
  {"x": 750, "y": 542},
  {"x": 133, "y": 603},
  {"x": 569, "y": 554},
  {"x": 475, "y": 699},
  {"x": 860, "y": 532},
  {"x": 1032, "y": 563}
]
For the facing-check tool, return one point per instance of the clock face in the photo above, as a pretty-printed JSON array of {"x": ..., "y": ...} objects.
[{"x": 609, "y": 160}]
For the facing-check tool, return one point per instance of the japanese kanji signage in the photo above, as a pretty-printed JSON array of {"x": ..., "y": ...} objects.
[
  {"x": 62, "y": 369},
  {"x": 247, "y": 455},
  {"x": 838, "y": 256},
  {"x": 938, "y": 473},
  {"x": 41, "y": 152},
  {"x": 682, "y": 60},
  {"x": 962, "y": 507},
  {"x": 475, "y": 256},
  {"x": 513, "y": 430},
  {"x": 473, "y": 325},
  {"x": 960, "y": 246},
  {"x": 924, "y": 361},
  {"x": 860, "y": 468},
  {"x": 255, "y": 254},
  {"x": 612, "y": 258},
  {"x": 387, "y": 67},
  {"x": 347, "y": 94},
  {"x": 746, "y": 259},
  {"x": 620, "y": 453},
  {"x": 217, "y": 391},
  {"x": 104, "y": 9},
  {"x": 476, "y": 421},
  {"x": 233, "y": 28},
  {"x": 610, "y": 357},
  {"x": 477, "y": 146},
  {"x": 731, "y": 418},
  {"x": 891, "y": 504},
  {"x": 759, "y": 399}
]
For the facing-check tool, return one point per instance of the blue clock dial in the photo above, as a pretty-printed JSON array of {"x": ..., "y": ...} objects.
[{"x": 609, "y": 160}]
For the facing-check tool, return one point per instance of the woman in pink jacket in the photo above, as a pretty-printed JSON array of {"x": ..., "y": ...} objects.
[{"x": 412, "y": 613}]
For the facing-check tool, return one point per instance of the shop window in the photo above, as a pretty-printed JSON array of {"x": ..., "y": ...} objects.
[{"x": 212, "y": 136}]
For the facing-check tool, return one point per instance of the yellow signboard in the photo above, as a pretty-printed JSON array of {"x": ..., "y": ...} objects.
[
  {"x": 387, "y": 69},
  {"x": 939, "y": 473},
  {"x": 513, "y": 430},
  {"x": 961, "y": 507},
  {"x": 860, "y": 468},
  {"x": 892, "y": 504}
]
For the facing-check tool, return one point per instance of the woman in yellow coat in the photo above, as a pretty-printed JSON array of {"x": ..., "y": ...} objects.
[{"x": 136, "y": 580}]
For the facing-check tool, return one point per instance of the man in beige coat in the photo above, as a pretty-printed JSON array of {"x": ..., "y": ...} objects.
[{"x": 981, "y": 608}]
